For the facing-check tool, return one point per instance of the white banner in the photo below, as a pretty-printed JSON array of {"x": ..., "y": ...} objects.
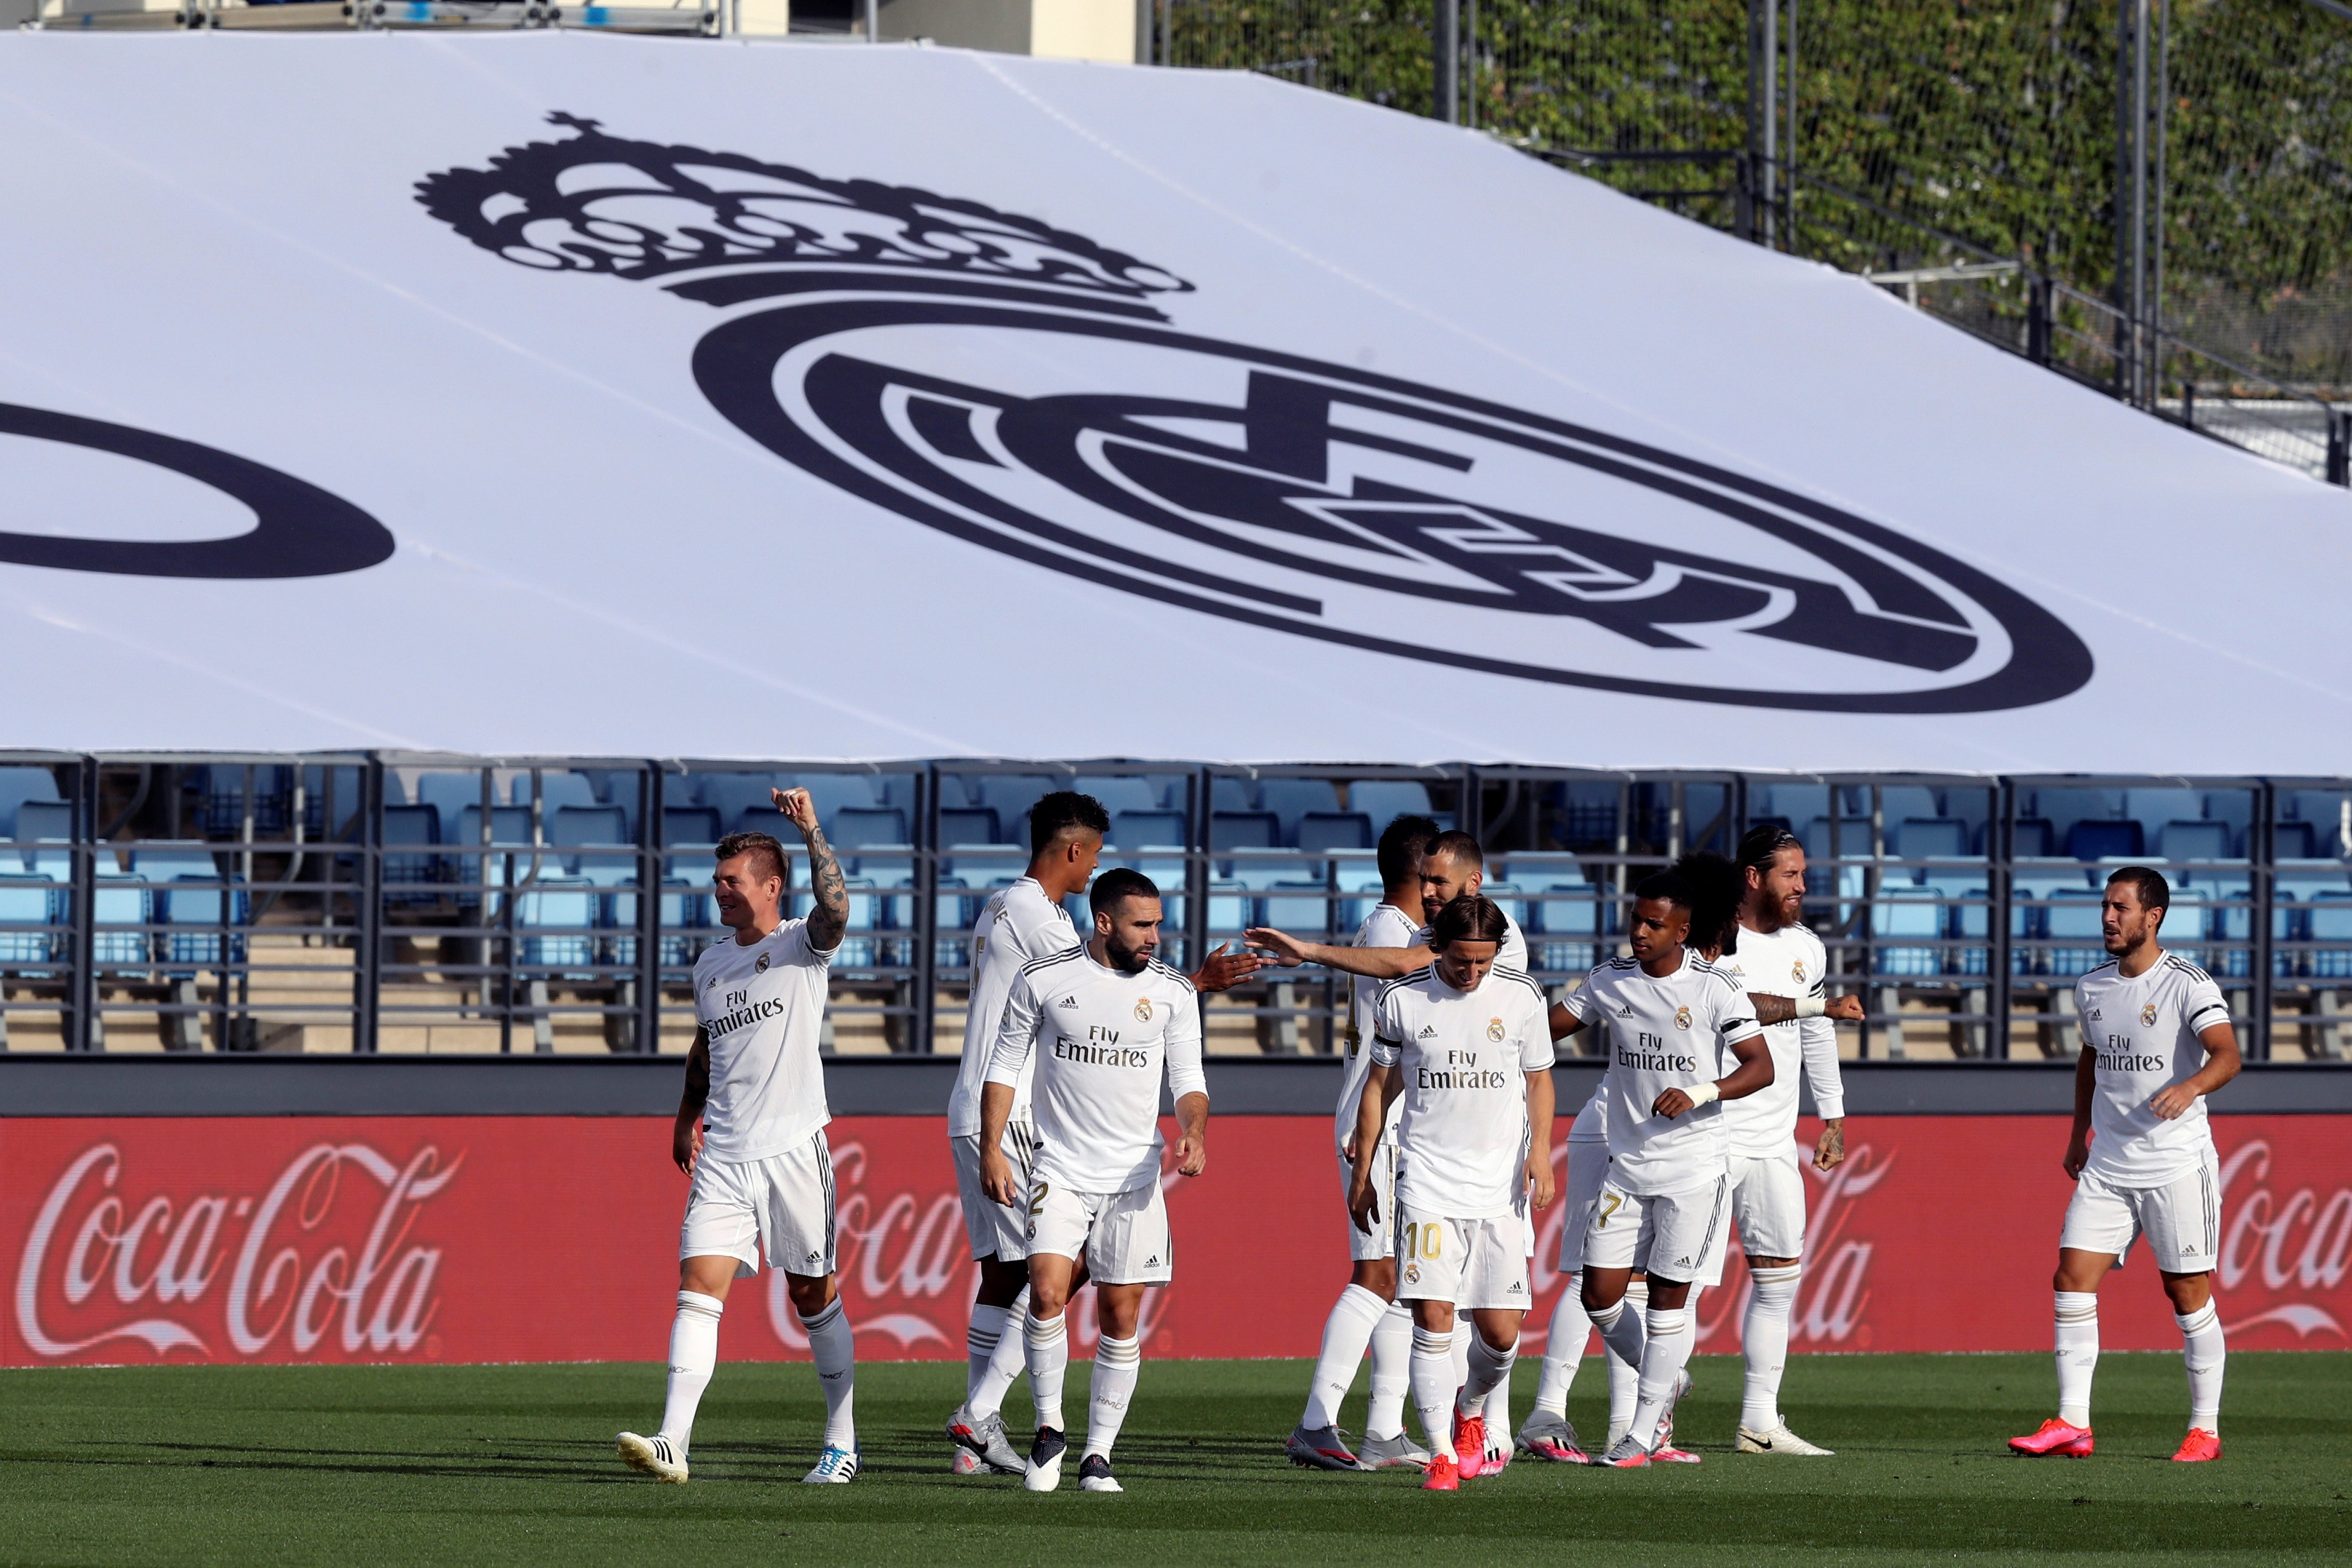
[{"x": 570, "y": 394}]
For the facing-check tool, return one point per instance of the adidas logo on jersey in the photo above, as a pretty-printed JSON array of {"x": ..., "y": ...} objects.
[
  {"x": 1067, "y": 1002},
  {"x": 1626, "y": 1011},
  {"x": 1428, "y": 1031},
  {"x": 1152, "y": 1262},
  {"x": 1682, "y": 1262},
  {"x": 1515, "y": 1290}
]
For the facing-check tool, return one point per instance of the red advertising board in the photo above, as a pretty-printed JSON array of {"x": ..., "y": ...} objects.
[{"x": 554, "y": 1238}]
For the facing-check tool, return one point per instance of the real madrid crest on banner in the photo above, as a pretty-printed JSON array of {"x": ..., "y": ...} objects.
[{"x": 1031, "y": 390}]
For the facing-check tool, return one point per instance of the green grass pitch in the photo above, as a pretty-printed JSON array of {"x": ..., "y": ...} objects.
[{"x": 514, "y": 1464}]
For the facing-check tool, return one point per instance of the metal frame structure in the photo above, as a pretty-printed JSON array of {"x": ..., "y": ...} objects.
[{"x": 236, "y": 902}]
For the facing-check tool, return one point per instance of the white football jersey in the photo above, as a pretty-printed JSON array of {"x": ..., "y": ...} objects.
[
  {"x": 1017, "y": 924},
  {"x": 2143, "y": 1031},
  {"x": 1463, "y": 1058},
  {"x": 1788, "y": 961},
  {"x": 763, "y": 1007},
  {"x": 1100, "y": 1041},
  {"x": 1385, "y": 926},
  {"x": 1665, "y": 1034},
  {"x": 1592, "y": 1124}
]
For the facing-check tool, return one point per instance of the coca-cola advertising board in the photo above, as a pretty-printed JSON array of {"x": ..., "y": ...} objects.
[{"x": 490, "y": 1239}]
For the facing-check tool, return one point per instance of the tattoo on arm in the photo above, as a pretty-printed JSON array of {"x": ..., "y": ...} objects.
[
  {"x": 830, "y": 918},
  {"x": 698, "y": 1074},
  {"x": 1772, "y": 1009}
]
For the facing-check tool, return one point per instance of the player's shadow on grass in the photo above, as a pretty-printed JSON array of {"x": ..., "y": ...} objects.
[{"x": 564, "y": 1464}]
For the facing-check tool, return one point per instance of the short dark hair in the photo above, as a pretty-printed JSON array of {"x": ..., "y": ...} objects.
[
  {"x": 1117, "y": 885},
  {"x": 1763, "y": 843},
  {"x": 1458, "y": 845},
  {"x": 1717, "y": 888},
  {"x": 1402, "y": 843},
  {"x": 1472, "y": 917},
  {"x": 1665, "y": 884},
  {"x": 760, "y": 847},
  {"x": 1060, "y": 812},
  {"x": 2154, "y": 892}
]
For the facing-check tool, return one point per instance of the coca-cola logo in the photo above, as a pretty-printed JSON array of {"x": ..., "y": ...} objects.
[
  {"x": 300, "y": 1267},
  {"x": 2285, "y": 1242}
]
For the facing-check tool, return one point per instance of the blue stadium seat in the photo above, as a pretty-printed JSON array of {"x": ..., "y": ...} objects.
[
  {"x": 557, "y": 919},
  {"x": 2030, "y": 839},
  {"x": 1132, "y": 831},
  {"x": 689, "y": 825},
  {"x": 1245, "y": 831},
  {"x": 450, "y": 794},
  {"x": 410, "y": 825},
  {"x": 2153, "y": 809},
  {"x": 18, "y": 785},
  {"x": 2063, "y": 807},
  {"x": 594, "y": 828},
  {"x": 1910, "y": 913},
  {"x": 118, "y": 912},
  {"x": 2293, "y": 840},
  {"x": 2031, "y": 884},
  {"x": 1292, "y": 799},
  {"x": 597, "y": 825},
  {"x": 1588, "y": 811},
  {"x": 2194, "y": 841},
  {"x": 556, "y": 791},
  {"x": 2090, "y": 840},
  {"x": 1385, "y": 799},
  {"x": 185, "y": 888},
  {"x": 1791, "y": 802},
  {"x": 2074, "y": 916},
  {"x": 510, "y": 827},
  {"x": 1296, "y": 905},
  {"x": 854, "y": 827},
  {"x": 48, "y": 827},
  {"x": 1230, "y": 794},
  {"x": 832, "y": 793},
  {"x": 29, "y": 910},
  {"x": 1121, "y": 794},
  {"x": 1929, "y": 839},
  {"x": 1319, "y": 832},
  {"x": 2331, "y": 922},
  {"x": 732, "y": 794},
  {"x": 220, "y": 798},
  {"x": 1898, "y": 801},
  {"x": 1568, "y": 910},
  {"x": 1514, "y": 901},
  {"x": 1971, "y": 922},
  {"x": 1011, "y": 795},
  {"x": 968, "y": 825}
]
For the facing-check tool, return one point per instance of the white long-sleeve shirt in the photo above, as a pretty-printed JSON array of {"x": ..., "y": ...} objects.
[
  {"x": 1017, "y": 924},
  {"x": 1100, "y": 1040},
  {"x": 1789, "y": 962}
]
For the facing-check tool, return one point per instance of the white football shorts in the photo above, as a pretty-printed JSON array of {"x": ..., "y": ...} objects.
[
  {"x": 996, "y": 1229},
  {"x": 1676, "y": 1236},
  {"x": 1588, "y": 1167},
  {"x": 1768, "y": 1199},
  {"x": 2182, "y": 1219},
  {"x": 782, "y": 1206},
  {"x": 1122, "y": 1235},
  {"x": 1363, "y": 1248},
  {"x": 1477, "y": 1264}
]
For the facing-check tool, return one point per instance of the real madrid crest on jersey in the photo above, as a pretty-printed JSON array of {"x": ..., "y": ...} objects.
[
  {"x": 1797, "y": 971},
  {"x": 1029, "y": 389},
  {"x": 1494, "y": 1030},
  {"x": 1682, "y": 1017},
  {"x": 2148, "y": 1015},
  {"x": 1143, "y": 1010},
  {"x": 761, "y": 967}
]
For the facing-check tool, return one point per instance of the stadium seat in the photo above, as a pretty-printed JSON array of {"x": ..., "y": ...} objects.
[
  {"x": 2331, "y": 934},
  {"x": 1244, "y": 831},
  {"x": 1568, "y": 910},
  {"x": 556, "y": 919},
  {"x": 185, "y": 888},
  {"x": 732, "y": 794},
  {"x": 1319, "y": 832},
  {"x": 220, "y": 798},
  {"x": 968, "y": 825},
  {"x": 46, "y": 823},
  {"x": 1898, "y": 801},
  {"x": 2194, "y": 841},
  {"x": 2292, "y": 840},
  {"x": 689, "y": 825},
  {"x": 1971, "y": 922},
  {"x": 410, "y": 825},
  {"x": 854, "y": 827},
  {"x": 831, "y": 793},
  {"x": 27, "y": 918},
  {"x": 1120, "y": 794},
  {"x": 510, "y": 827},
  {"x": 590, "y": 828},
  {"x": 2067, "y": 805},
  {"x": 450, "y": 794},
  {"x": 1384, "y": 800},
  {"x": 1291, "y": 799},
  {"x": 1230, "y": 794},
  {"x": 2032, "y": 885},
  {"x": 2325, "y": 812},
  {"x": 19, "y": 785},
  {"x": 1514, "y": 901},
  {"x": 556, "y": 791},
  {"x": 1298, "y": 905},
  {"x": 118, "y": 912},
  {"x": 2030, "y": 839},
  {"x": 2074, "y": 917},
  {"x": 1791, "y": 802},
  {"x": 2153, "y": 809},
  {"x": 1906, "y": 913},
  {"x": 1011, "y": 795},
  {"x": 1132, "y": 831},
  {"x": 1929, "y": 839},
  {"x": 2092, "y": 839}
]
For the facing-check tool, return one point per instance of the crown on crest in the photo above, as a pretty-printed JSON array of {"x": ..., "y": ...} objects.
[{"x": 639, "y": 209}]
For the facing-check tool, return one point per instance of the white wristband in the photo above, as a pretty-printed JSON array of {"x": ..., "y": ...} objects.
[
  {"x": 1703, "y": 1093},
  {"x": 1812, "y": 1006}
]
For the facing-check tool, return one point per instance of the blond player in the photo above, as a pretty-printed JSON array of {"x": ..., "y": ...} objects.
[
  {"x": 751, "y": 1133},
  {"x": 1465, "y": 1047},
  {"x": 2156, "y": 1042}
]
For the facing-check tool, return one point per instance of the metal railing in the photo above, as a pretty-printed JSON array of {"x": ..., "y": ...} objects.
[{"x": 403, "y": 902}]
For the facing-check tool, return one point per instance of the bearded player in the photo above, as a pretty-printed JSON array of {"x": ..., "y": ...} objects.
[
  {"x": 1464, "y": 1045},
  {"x": 2156, "y": 1042},
  {"x": 751, "y": 1134},
  {"x": 1102, "y": 1022}
]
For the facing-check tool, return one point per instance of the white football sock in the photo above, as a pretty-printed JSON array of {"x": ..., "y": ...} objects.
[
  {"x": 1764, "y": 1340},
  {"x": 1625, "y": 1370},
  {"x": 2077, "y": 1340},
  {"x": 693, "y": 1357},
  {"x": 1391, "y": 1373},
  {"x": 1434, "y": 1385},
  {"x": 1462, "y": 1332},
  {"x": 833, "y": 1345},
  {"x": 1117, "y": 1363},
  {"x": 2201, "y": 1339},
  {"x": 1048, "y": 1342},
  {"x": 1564, "y": 1345},
  {"x": 980, "y": 1339},
  {"x": 1663, "y": 1359},
  {"x": 987, "y": 1395},
  {"x": 1490, "y": 1374},
  {"x": 1346, "y": 1334}
]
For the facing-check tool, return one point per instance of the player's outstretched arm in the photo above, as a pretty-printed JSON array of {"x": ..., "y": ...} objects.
[
  {"x": 1221, "y": 971},
  {"x": 2221, "y": 1063},
  {"x": 1374, "y": 963},
  {"x": 686, "y": 1138},
  {"x": 830, "y": 918},
  {"x": 1770, "y": 1010}
]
